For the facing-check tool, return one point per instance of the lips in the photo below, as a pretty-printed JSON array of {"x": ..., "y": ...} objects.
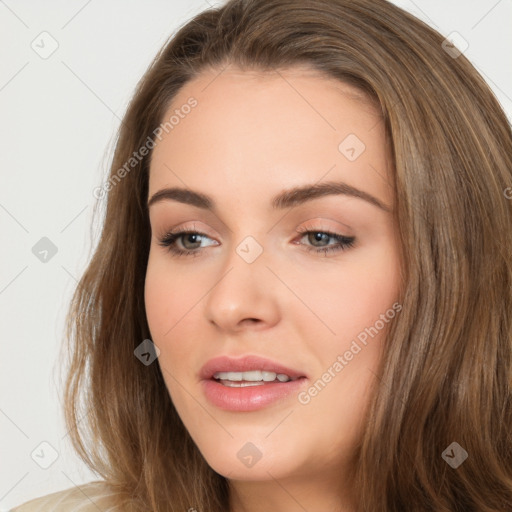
[
  {"x": 241, "y": 397},
  {"x": 245, "y": 364}
]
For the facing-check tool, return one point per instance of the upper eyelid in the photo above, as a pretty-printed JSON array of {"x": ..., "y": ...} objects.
[
  {"x": 202, "y": 233},
  {"x": 311, "y": 224},
  {"x": 184, "y": 230}
]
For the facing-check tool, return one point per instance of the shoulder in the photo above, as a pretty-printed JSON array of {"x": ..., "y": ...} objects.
[{"x": 82, "y": 498}]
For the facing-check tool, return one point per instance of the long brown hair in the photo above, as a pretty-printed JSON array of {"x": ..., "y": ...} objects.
[{"x": 446, "y": 372}]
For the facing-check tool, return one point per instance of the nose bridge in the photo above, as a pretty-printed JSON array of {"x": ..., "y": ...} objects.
[
  {"x": 244, "y": 288},
  {"x": 249, "y": 249},
  {"x": 246, "y": 269}
]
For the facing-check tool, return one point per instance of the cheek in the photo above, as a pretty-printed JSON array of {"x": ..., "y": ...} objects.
[
  {"x": 341, "y": 299},
  {"x": 158, "y": 303},
  {"x": 354, "y": 302},
  {"x": 169, "y": 298},
  {"x": 172, "y": 304},
  {"x": 166, "y": 303}
]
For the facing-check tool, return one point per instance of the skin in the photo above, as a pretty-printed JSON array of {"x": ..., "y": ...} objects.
[{"x": 251, "y": 136}]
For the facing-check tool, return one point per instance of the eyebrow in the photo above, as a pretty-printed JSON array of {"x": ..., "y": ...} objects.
[{"x": 285, "y": 199}]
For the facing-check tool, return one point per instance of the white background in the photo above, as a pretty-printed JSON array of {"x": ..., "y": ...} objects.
[{"x": 58, "y": 120}]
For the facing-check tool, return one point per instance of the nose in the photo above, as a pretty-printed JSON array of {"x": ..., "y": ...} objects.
[{"x": 245, "y": 292}]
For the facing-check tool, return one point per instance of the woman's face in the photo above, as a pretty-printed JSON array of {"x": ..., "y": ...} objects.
[{"x": 262, "y": 277}]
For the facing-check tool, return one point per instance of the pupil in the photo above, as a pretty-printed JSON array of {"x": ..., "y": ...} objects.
[
  {"x": 318, "y": 236},
  {"x": 190, "y": 238}
]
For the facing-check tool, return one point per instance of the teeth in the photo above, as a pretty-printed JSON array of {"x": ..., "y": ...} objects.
[
  {"x": 231, "y": 384},
  {"x": 252, "y": 376}
]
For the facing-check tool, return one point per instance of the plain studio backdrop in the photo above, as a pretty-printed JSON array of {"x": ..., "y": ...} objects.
[{"x": 68, "y": 71}]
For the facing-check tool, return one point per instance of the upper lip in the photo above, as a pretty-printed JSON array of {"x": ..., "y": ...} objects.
[{"x": 245, "y": 364}]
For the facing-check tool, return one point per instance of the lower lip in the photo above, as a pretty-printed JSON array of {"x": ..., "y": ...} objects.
[{"x": 249, "y": 398}]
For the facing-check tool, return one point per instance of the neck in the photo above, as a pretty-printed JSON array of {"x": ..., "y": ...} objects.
[{"x": 291, "y": 494}]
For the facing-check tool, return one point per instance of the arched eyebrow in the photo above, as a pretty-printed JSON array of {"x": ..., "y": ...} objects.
[{"x": 284, "y": 199}]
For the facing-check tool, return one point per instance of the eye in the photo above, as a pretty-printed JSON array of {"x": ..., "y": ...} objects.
[
  {"x": 186, "y": 237},
  {"x": 317, "y": 238},
  {"x": 191, "y": 240}
]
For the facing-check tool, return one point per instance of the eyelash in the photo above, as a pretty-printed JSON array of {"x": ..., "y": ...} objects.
[{"x": 344, "y": 242}]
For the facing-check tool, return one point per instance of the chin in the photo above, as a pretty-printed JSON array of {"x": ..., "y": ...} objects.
[{"x": 249, "y": 458}]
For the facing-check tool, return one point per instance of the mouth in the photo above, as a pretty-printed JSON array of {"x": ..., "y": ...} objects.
[{"x": 248, "y": 383}]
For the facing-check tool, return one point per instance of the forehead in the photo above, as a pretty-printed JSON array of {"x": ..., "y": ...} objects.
[{"x": 282, "y": 127}]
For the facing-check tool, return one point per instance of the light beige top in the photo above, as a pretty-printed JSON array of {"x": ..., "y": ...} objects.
[{"x": 90, "y": 497}]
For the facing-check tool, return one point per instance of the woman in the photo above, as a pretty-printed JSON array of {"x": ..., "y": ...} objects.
[{"x": 301, "y": 296}]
